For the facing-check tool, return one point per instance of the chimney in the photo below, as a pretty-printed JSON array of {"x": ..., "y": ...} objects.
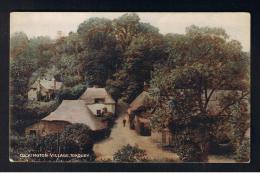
[
  {"x": 146, "y": 86},
  {"x": 54, "y": 83}
]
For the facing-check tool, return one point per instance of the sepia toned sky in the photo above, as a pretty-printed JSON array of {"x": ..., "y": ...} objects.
[{"x": 237, "y": 25}]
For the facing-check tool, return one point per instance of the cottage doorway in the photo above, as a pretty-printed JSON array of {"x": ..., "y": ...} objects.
[
  {"x": 145, "y": 131},
  {"x": 32, "y": 132},
  {"x": 163, "y": 138}
]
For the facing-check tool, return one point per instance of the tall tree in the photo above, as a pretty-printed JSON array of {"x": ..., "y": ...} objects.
[
  {"x": 101, "y": 51},
  {"x": 141, "y": 46},
  {"x": 204, "y": 61},
  {"x": 126, "y": 29},
  {"x": 18, "y": 44}
]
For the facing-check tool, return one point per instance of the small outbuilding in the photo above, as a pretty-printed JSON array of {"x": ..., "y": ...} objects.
[{"x": 142, "y": 124}]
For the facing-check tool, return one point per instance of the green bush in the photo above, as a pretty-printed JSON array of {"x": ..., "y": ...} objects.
[
  {"x": 72, "y": 93},
  {"x": 80, "y": 134},
  {"x": 189, "y": 153},
  {"x": 29, "y": 113},
  {"x": 243, "y": 152},
  {"x": 75, "y": 139},
  {"x": 78, "y": 90},
  {"x": 129, "y": 153}
]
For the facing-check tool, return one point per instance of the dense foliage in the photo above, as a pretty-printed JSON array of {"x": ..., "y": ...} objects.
[
  {"x": 243, "y": 151},
  {"x": 29, "y": 113},
  {"x": 130, "y": 153},
  {"x": 117, "y": 54},
  {"x": 201, "y": 63},
  {"x": 184, "y": 71},
  {"x": 74, "y": 140}
]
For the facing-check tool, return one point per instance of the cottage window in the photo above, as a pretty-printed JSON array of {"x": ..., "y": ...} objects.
[
  {"x": 33, "y": 132},
  {"x": 105, "y": 110},
  {"x": 98, "y": 112},
  {"x": 99, "y": 100}
]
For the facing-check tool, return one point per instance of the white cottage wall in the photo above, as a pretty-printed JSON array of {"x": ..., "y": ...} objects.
[
  {"x": 32, "y": 94},
  {"x": 100, "y": 106}
]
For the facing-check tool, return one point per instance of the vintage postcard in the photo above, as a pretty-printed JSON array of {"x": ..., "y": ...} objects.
[{"x": 150, "y": 87}]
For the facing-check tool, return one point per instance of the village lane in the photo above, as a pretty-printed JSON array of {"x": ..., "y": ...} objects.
[{"x": 121, "y": 136}]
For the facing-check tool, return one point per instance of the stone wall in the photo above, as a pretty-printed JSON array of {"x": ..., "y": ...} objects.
[
  {"x": 43, "y": 128},
  {"x": 164, "y": 138}
]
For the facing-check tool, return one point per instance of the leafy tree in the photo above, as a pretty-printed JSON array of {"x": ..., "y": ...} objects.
[
  {"x": 18, "y": 44},
  {"x": 239, "y": 122},
  {"x": 27, "y": 55},
  {"x": 38, "y": 50},
  {"x": 70, "y": 62},
  {"x": 126, "y": 28},
  {"x": 142, "y": 46},
  {"x": 21, "y": 70},
  {"x": 101, "y": 51},
  {"x": 200, "y": 62}
]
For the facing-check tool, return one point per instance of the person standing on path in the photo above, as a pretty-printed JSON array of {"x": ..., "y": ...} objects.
[{"x": 124, "y": 121}]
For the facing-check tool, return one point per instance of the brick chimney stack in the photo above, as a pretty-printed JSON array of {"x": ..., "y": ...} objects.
[{"x": 146, "y": 86}]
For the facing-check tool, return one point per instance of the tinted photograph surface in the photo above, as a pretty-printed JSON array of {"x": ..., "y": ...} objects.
[{"x": 129, "y": 87}]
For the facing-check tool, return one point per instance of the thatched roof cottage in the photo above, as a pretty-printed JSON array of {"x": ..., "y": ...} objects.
[{"x": 69, "y": 112}]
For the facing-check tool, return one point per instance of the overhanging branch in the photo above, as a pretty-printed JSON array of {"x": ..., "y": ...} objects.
[{"x": 233, "y": 102}]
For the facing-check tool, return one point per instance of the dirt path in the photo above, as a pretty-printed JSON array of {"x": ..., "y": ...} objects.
[
  {"x": 220, "y": 159},
  {"x": 121, "y": 136}
]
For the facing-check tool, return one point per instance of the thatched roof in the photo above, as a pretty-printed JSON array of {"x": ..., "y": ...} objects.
[
  {"x": 91, "y": 94},
  {"x": 139, "y": 101},
  {"x": 75, "y": 111},
  {"x": 144, "y": 117},
  {"x": 47, "y": 84},
  {"x": 143, "y": 120}
]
